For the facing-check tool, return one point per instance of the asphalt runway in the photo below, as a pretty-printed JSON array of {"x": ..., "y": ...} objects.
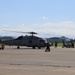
[{"x": 28, "y": 61}]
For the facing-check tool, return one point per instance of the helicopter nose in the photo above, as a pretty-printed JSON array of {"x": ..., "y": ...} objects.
[{"x": 51, "y": 44}]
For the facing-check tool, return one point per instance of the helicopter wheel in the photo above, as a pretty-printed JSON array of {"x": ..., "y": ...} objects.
[
  {"x": 18, "y": 47},
  {"x": 33, "y": 47},
  {"x": 39, "y": 47}
]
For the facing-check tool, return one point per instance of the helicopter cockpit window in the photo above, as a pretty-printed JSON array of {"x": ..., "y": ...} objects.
[
  {"x": 19, "y": 38},
  {"x": 41, "y": 40}
]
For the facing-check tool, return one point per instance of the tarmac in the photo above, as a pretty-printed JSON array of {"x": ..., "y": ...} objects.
[{"x": 28, "y": 61}]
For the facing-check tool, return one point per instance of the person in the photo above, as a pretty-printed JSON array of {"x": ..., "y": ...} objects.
[
  {"x": 55, "y": 43},
  {"x": 72, "y": 44},
  {"x": 64, "y": 45},
  {"x": 2, "y": 46},
  {"x": 47, "y": 47}
]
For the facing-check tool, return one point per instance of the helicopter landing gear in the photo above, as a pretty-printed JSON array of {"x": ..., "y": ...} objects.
[
  {"x": 39, "y": 47},
  {"x": 33, "y": 47},
  {"x": 18, "y": 47}
]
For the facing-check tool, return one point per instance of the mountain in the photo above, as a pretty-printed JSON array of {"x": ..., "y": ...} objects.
[
  {"x": 58, "y": 39},
  {"x": 3, "y": 38}
]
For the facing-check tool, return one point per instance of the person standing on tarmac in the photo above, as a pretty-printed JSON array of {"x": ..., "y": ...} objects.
[
  {"x": 55, "y": 44},
  {"x": 47, "y": 47},
  {"x": 72, "y": 44},
  {"x": 2, "y": 46}
]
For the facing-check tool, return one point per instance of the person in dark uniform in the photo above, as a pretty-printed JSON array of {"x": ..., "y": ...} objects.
[
  {"x": 2, "y": 46},
  {"x": 47, "y": 47},
  {"x": 72, "y": 44},
  {"x": 55, "y": 43},
  {"x": 63, "y": 44}
]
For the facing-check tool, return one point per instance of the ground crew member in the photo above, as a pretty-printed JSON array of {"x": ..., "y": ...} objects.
[
  {"x": 47, "y": 47},
  {"x": 2, "y": 47},
  {"x": 55, "y": 43}
]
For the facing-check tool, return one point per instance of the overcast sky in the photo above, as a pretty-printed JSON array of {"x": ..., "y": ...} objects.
[{"x": 54, "y": 17}]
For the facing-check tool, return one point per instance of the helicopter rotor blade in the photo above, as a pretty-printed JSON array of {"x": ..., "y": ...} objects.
[
  {"x": 14, "y": 31},
  {"x": 21, "y": 32}
]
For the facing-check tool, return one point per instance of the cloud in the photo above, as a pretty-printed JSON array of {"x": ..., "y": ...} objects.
[
  {"x": 4, "y": 25},
  {"x": 44, "y": 17},
  {"x": 54, "y": 29}
]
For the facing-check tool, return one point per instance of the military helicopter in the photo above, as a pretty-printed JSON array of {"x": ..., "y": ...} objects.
[{"x": 29, "y": 41}]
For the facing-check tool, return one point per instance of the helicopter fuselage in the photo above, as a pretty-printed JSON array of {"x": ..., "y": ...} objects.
[{"x": 29, "y": 41}]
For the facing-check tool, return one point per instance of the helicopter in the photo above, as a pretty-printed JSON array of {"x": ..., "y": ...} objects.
[{"x": 29, "y": 41}]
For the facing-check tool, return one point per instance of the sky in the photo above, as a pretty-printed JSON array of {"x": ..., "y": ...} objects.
[{"x": 51, "y": 17}]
